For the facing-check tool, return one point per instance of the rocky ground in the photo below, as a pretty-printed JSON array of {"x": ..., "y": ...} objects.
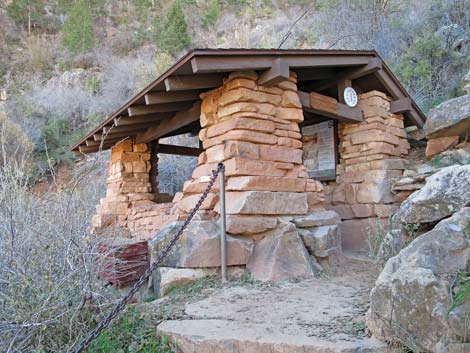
[{"x": 325, "y": 314}]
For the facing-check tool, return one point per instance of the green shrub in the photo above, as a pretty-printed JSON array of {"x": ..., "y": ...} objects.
[
  {"x": 172, "y": 30},
  {"x": 131, "y": 333},
  {"x": 78, "y": 34},
  {"x": 462, "y": 284},
  {"x": 55, "y": 141},
  {"x": 24, "y": 12},
  {"x": 212, "y": 14}
]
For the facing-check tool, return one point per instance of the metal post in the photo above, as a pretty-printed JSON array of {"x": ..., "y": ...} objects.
[{"x": 223, "y": 239}]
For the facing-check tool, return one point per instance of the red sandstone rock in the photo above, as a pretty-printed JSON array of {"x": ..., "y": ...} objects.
[
  {"x": 240, "y": 123},
  {"x": 266, "y": 203},
  {"x": 241, "y": 135},
  {"x": 237, "y": 224},
  {"x": 280, "y": 255},
  {"x": 266, "y": 183},
  {"x": 440, "y": 144},
  {"x": 280, "y": 154}
]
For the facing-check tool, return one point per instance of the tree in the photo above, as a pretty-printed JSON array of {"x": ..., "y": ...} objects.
[
  {"x": 78, "y": 34},
  {"x": 24, "y": 12},
  {"x": 172, "y": 33}
]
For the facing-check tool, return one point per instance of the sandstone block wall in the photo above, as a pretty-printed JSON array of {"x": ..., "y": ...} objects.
[
  {"x": 371, "y": 154},
  {"x": 255, "y": 131}
]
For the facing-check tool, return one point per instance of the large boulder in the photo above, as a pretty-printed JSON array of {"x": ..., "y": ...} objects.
[
  {"x": 412, "y": 298},
  {"x": 445, "y": 192},
  {"x": 280, "y": 255},
  {"x": 450, "y": 118},
  {"x": 199, "y": 246}
]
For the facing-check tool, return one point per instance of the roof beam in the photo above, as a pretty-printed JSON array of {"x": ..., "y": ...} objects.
[
  {"x": 101, "y": 136},
  {"x": 123, "y": 121},
  {"x": 400, "y": 105},
  {"x": 179, "y": 120},
  {"x": 329, "y": 107},
  {"x": 137, "y": 110},
  {"x": 90, "y": 142},
  {"x": 188, "y": 82},
  {"x": 372, "y": 66},
  {"x": 127, "y": 128},
  {"x": 208, "y": 64},
  {"x": 171, "y": 97},
  {"x": 397, "y": 93},
  {"x": 315, "y": 74},
  {"x": 278, "y": 72},
  {"x": 179, "y": 150}
]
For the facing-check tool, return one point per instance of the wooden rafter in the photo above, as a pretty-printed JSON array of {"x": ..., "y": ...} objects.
[
  {"x": 137, "y": 110},
  {"x": 329, "y": 107},
  {"x": 373, "y": 65},
  {"x": 278, "y": 72},
  {"x": 171, "y": 97},
  {"x": 179, "y": 120},
  {"x": 189, "y": 82},
  {"x": 397, "y": 93},
  {"x": 123, "y": 121},
  {"x": 401, "y": 105},
  {"x": 179, "y": 150}
]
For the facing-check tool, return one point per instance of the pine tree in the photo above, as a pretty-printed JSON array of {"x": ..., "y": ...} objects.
[
  {"x": 78, "y": 34},
  {"x": 24, "y": 12},
  {"x": 173, "y": 32}
]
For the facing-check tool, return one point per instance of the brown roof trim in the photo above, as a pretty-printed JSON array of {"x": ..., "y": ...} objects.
[{"x": 239, "y": 52}]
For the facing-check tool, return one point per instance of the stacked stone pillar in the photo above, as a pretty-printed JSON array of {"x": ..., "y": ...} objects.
[
  {"x": 254, "y": 131},
  {"x": 128, "y": 184},
  {"x": 371, "y": 155}
]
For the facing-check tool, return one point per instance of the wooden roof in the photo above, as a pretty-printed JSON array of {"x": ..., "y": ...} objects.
[{"x": 170, "y": 105}]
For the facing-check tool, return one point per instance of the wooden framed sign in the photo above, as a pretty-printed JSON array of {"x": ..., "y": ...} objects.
[{"x": 319, "y": 146}]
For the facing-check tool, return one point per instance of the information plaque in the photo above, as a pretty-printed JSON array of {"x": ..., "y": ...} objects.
[{"x": 320, "y": 150}]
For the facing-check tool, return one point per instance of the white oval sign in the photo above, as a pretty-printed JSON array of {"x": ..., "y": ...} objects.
[{"x": 350, "y": 97}]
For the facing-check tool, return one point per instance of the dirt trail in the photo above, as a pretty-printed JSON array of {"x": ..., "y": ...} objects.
[{"x": 325, "y": 314}]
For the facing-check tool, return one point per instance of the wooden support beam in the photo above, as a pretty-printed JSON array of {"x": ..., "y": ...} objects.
[
  {"x": 400, "y": 105},
  {"x": 315, "y": 74},
  {"x": 127, "y": 128},
  {"x": 95, "y": 148},
  {"x": 397, "y": 93},
  {"x": 137, "y": 110},
  {"x": 124, "y": 121},
  {"x": 90, "y": 142},
  {"x": 171, "y": 97},
  {"x": 179, "y": 120},
  {"x": 101, "y": 136},
  {"x": 329, "y": 107},
  {"x": 278, "y": 72},
  {"x": 189, "y": 82},
  {"x": 372, "y": 66},
  {"x": 207, "y": 64},
  {"x": 342, "y": 84},
  {"x": 179, "y": 150}
]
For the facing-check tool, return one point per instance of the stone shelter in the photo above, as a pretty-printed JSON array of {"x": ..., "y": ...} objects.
[{"x": 310, "y": 140}]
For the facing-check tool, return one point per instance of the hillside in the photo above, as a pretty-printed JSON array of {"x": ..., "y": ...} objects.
[{"x": 66, "y": 64}]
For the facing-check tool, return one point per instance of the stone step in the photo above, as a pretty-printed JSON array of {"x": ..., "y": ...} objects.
[{"x": 224, "y": 336}]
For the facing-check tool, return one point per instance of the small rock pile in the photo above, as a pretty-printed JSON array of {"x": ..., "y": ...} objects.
[{"x": 447, "y": 124}]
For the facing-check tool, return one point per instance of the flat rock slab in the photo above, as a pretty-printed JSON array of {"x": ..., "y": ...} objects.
[{"x": 319, "y": 315}]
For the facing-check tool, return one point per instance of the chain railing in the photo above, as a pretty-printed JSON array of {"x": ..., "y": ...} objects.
[{"x": 103, "y": 324}]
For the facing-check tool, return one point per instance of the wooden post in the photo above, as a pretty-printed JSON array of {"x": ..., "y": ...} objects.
[{"x": 154, "y": 169}]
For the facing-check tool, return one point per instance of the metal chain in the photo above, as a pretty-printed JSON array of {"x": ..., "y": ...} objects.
[{"x": 85, "y": 343}]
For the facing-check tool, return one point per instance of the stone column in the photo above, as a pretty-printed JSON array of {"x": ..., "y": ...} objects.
[
  {"x": 128, "y": 184},
  {"x": 371, "y": 154},
  {"x": 255, "y": 131}
]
